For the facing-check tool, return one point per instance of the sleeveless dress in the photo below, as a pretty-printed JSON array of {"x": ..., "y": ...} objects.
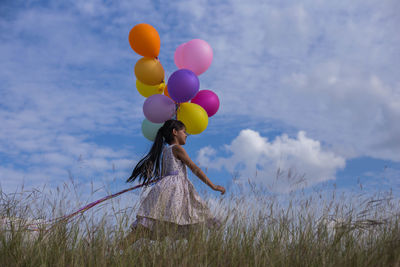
[{"x": 173, "y": 200}]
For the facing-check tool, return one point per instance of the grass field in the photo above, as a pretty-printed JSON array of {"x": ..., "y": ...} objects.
[{"x": 261, "y": 229}]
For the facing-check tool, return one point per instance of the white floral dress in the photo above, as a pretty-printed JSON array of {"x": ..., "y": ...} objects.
[{"x": 173, "y": 199}]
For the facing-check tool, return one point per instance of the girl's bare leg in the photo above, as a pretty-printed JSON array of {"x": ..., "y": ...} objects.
[{"x": 135, "y": 234}]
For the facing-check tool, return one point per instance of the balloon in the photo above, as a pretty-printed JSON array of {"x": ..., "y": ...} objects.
[
  {"x": 166, "y": 91},
  {"x": 178, "y": 56},
  {"x": 193, "y": 116},
  {"x": 208, "y": 100},
  {"x": 197, "y": 56},
  {"x": 158, "y": 108},
  {"x": 150, "y": 129},
  {"x": 149, "y": 90},
  {"x": 183, "y": 85},
  {"x": 144, "y": 40},
  {"x": 149, "y": 71}
]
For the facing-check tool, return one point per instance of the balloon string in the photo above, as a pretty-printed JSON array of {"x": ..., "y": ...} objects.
[
  {"x": 177, "y": 106},
  {"x": 92, "y": 204}
]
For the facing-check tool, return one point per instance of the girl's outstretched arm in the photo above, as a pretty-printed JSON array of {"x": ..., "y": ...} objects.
[{"x": 181, "y": 154}]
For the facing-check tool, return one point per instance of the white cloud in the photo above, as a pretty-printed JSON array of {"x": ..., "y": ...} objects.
[
  {"x": 330, "y": 68},
  {"x": 57, "y": 161},
  {"x": 61, "y": 87},
  {"x": 299, "y": 161},
  {"x": 50, "y": 134},
  {"x": 318, "y": 66}
]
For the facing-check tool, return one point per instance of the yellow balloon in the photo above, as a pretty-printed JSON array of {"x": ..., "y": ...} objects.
[
  {"x": 193, "y": 116},
  {"x": 149, "y": 71},
  {"x": 149, "y": 90}
]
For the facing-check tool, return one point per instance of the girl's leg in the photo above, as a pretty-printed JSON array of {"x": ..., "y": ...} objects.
[{"x": 135, "y": 234}]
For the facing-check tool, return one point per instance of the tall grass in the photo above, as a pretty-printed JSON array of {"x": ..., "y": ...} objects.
[{"x": 261, "y": 229}]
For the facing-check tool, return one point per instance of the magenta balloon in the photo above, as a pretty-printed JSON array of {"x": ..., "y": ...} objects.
[
  {"x": 183, "y": 85},
  {"x": 208, "y": 100},
  {"x": 178, "y": 56},
  {"x": 197, "y": 56},
  {"x": 158, "y": 108}
]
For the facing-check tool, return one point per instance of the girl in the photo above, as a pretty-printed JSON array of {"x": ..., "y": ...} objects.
[{"x": 172, "y": 203}]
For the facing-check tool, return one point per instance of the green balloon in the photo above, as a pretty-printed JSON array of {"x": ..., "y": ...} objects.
[{"x": 150, "y": 129}]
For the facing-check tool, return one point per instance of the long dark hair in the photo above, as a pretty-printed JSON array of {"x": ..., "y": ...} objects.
[{"x": 149, "y": 167}]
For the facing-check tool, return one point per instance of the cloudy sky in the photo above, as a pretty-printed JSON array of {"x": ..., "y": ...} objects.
[{"x": 309, "y": 90}]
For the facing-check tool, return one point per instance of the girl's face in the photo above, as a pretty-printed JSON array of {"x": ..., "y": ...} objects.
[{"x": 180, "y": 136}]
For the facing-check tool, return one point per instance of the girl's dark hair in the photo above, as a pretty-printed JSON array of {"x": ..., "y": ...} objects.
[{"x": 149, "y": 167}]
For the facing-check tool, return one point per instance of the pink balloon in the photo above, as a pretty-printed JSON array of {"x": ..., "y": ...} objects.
[
  {"x": 197, "y": 56},
  {"x": 208, "y": 100},
  {"x": 178, "y": 56}
]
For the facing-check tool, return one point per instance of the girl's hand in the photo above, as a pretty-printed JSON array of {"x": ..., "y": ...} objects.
[{"x": 220, "y": 188}]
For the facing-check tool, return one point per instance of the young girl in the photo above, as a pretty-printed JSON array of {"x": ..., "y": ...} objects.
[{"x": 172, "y": 202}]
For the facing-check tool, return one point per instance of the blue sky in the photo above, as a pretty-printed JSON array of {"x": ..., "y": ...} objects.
[{"x": 306, "y": 87}]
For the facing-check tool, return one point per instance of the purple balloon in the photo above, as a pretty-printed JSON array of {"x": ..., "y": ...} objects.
[
  {"x": 183, "y": 85},
  {"x": 208, "y": 100},
  {"x": 158, "y": 108}
]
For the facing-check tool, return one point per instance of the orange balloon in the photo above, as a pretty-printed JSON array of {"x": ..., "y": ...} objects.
[
  {"x": 149, "y": 71},
  {"x": 166, "y": 91},
  {"x": 144, "y": 40}
]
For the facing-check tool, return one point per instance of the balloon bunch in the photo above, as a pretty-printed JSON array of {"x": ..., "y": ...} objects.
[{"x": 166, "y": 101}]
